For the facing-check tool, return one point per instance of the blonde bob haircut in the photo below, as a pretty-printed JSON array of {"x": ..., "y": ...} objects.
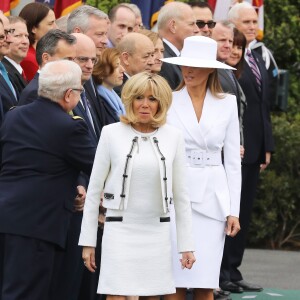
[{"x": 138, "y": 85}]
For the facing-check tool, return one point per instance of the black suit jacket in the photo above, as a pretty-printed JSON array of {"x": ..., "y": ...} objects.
[
  {"x": 43, "y": 151},
  {"x": 172, "y": 73},
  {"x": 232, "y": 86},
  {"x": 15, "y": 77},
  {"x": 257, "y": 122},
  {"x": 8, "y": 98},
  {"x": 30, "y": 92}
]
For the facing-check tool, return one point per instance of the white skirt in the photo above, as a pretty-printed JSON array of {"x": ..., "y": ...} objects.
[
  {"x": 136, "y": 258},
  {"x": 209, "y": 237}
]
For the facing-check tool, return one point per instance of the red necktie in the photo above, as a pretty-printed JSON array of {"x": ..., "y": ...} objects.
[{"x": 23, "y": 75}]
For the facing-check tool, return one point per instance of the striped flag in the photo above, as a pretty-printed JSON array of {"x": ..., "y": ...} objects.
[
  {"x": 64, "y": 7},
  {"x": 7, "y": 5}
]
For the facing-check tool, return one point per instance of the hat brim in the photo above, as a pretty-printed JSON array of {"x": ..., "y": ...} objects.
[{"x": 197, "y": 63}]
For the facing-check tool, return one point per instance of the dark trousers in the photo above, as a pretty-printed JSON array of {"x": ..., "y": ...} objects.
[
  {"x": 69, "y": 264},
  {"x": 234, "y": 247},
  {"x": 26, "y": 267}
]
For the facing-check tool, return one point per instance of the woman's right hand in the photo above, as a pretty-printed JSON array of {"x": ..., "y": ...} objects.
[
  {"x": 187, "y": 260},
  {"x": 88, "y": 256}
]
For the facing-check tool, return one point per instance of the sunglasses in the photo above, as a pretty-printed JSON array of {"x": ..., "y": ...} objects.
[{"x": 201, "y": 24}]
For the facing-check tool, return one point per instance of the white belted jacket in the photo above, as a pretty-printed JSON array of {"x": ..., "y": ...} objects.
[
  {"x": 214, "y": 189},
  {"x": 111, "y": 175}
]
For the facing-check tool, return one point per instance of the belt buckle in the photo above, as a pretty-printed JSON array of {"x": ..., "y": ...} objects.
[{"x": 198, "y": 158}]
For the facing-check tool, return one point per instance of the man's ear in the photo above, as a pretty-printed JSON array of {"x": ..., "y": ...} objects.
[
  {"x": 45, "y": 57},
  {"x": 77, "y": 30},
  {"x": 125, "y": 58},
  {"x": 172, "y": 26}
]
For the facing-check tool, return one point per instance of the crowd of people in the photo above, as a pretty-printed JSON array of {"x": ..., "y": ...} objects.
[{"x": 130, "y": 158}]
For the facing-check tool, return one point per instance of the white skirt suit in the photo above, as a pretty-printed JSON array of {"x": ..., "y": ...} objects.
[
  {"x": 214, "y": 185},
  {"x": 139, "y": 175}
]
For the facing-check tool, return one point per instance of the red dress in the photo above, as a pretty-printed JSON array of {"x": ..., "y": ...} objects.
[{"x": 29, "y": 64}]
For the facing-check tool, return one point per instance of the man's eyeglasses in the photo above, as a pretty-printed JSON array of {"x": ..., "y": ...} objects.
[
  {"x": 78, "y": 89},
  {"x": 201, "y": 24},
  {"x": 9, "y": 31},
  {"x": 85, "y": 59}
]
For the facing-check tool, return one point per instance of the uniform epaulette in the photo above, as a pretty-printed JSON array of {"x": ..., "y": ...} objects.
[
  {"x": 76, "y": 118},
  {"x": 12, "y": 107}
]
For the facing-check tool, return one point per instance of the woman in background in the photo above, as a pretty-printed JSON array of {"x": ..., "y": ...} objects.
[
  {"x": 236, "y": 60},
  {"x": 107, "y": 74},
  {"x": 39, "y": 19}
]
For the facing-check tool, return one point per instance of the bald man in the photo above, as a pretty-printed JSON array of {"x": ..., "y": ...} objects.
[{"x": 136, "y": 55}]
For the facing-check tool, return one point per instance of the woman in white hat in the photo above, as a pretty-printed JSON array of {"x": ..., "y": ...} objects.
[{"x": 209, "y": 121}]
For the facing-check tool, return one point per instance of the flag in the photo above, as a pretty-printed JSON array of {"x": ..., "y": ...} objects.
[
  {"x": 7, "y": 5},
  {"x": 150, "y": 10},
  {"x": 50, "y": 3},
  {"x": 221, "y": 8},
  {"x": 64, "y": 7}
]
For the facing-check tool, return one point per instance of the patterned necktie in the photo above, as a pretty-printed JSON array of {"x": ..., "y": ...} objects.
[
  {"x": 86, "y": 106},
  {"x": 6, "y": 78},
  {"x": 254, "y": 68}
]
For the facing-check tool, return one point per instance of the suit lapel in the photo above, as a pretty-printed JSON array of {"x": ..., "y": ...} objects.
[
  {"x": 170, "y": 53},
  {"x": 211, "y": 112}
]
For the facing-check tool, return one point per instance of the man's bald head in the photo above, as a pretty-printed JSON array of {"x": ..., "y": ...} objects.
[
  {"x": 85, "y": 55},
  {"x": 136, "y": 53}
]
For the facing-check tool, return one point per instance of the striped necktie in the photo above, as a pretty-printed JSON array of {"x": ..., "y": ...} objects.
[{"x": 254, "y": 68}]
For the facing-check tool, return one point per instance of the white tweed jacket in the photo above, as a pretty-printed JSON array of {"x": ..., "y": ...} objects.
[{"x": 111, "y": 175}]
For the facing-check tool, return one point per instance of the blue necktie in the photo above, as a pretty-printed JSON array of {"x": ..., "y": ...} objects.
[{"x": 5, "y": 76}]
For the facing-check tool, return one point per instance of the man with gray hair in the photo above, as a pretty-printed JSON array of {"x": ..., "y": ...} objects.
[
  {"x": 44, "y": 149},
  {"x": 54, "y": 45},
  {"x": 92, "y": 22},
  {"x": 176, "y": 21}
]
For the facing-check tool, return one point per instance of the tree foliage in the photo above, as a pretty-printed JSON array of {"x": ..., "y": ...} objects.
[{"x": 276, "y": 222}]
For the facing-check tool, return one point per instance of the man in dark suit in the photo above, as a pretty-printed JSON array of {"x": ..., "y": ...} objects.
[
  {"x": 173, "y": 31},
  {"x": 18, "y": 49},
  {"x": 54, "y": 45},
  {"x": 258, "y": 143},
  {"x": 223, "y": 35},
  {"x": 43, "y": 151},
  {"x": 136, "y": 56},
  {"x": 70, "y": 267},
  {"x": 8, "y": 92}
]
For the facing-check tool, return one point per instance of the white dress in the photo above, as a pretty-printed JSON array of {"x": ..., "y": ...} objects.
[
  {"x": 214, "y": 190},
  {"x": 136, "y": 253}
]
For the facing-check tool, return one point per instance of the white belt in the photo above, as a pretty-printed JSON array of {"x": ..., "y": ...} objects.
[{"x": 202, "y": 158}]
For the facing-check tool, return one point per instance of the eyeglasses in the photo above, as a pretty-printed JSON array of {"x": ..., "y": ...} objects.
[
  {"x": 201, "y": 24},
  {"x": 78, "y": 89},
  {"x": 9, "y": 31},
  {"x": 2, "y": 38},
  {"x": 85, "y": 59}
]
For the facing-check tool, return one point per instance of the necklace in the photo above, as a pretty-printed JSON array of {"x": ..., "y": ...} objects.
[{"x": 144, "y": 135}]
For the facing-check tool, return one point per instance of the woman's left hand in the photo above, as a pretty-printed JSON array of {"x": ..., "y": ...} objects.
[
  {"x": 233, "y": 226},
  {"x": 187, "y": 260}
]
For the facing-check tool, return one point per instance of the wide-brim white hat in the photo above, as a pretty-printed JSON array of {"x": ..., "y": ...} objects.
[{"x": 200, "y": 52}]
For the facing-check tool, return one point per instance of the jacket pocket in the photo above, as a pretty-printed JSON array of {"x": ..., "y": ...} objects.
[{"x": 109, "y": 196}]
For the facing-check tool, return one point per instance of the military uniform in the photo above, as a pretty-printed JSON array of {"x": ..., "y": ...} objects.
[{"x": 43, "y": 151}]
